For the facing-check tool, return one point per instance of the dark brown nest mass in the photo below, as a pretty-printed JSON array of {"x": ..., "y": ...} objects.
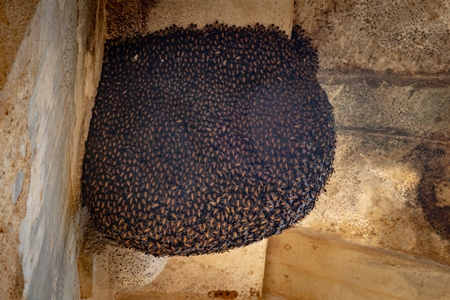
[{"x": 206, "y": 140}]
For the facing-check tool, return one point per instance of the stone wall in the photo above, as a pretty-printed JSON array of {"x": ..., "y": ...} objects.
[
  {"x": 49, "y": 87},
  {"x": 381, "y": 230}
]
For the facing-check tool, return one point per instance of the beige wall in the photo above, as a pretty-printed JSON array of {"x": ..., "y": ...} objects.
[
  {"x": 302, "y": 264},
  {"x": 379, "y": 232},
  {"x": 47, "y": 94}
]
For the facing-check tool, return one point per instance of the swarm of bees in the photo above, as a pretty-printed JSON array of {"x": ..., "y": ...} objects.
[{"x": 206, "y": 140}]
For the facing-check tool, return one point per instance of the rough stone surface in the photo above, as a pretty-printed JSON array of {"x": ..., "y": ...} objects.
[
  {"x": 15, "y": 17},
  {"x": 233, "y": 12},
  {"x": 240, "y": 272},
  {"x": 381, "y": 35},
  {"x": 385, "y": 69},
  {"x": 116, "y": 267},
  {"x": 407, "y": 161},
  {"x": 125, "y": 266},
  {"x": 129, "y": 18},
  {"x": 389, "y": 191},
  {"x": 302, "y": 264},
  {"x": 384, "y": 193},
  {"x": 44, "y": 102},
  {"x": 383, "y": 106}
]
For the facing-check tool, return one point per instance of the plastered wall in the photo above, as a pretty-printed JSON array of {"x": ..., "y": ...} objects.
[
  {"x": 53, "y": 65},
  {"x": 302, "y": 264},
  {"x": 381, "y": 231},
  {"x": 389, "y": 188}
]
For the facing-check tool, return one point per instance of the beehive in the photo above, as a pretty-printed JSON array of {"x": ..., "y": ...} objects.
[{"x": 206, "y": 140}]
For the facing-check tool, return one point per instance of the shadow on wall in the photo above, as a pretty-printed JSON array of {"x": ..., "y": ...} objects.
[{"x": 433, "y": 187}]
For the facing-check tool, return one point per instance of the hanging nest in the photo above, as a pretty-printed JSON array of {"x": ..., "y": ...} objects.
[{"x": 206, "y": 140}]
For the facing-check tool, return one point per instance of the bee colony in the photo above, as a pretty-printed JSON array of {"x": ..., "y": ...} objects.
[{"x": 204, "y": 140}]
